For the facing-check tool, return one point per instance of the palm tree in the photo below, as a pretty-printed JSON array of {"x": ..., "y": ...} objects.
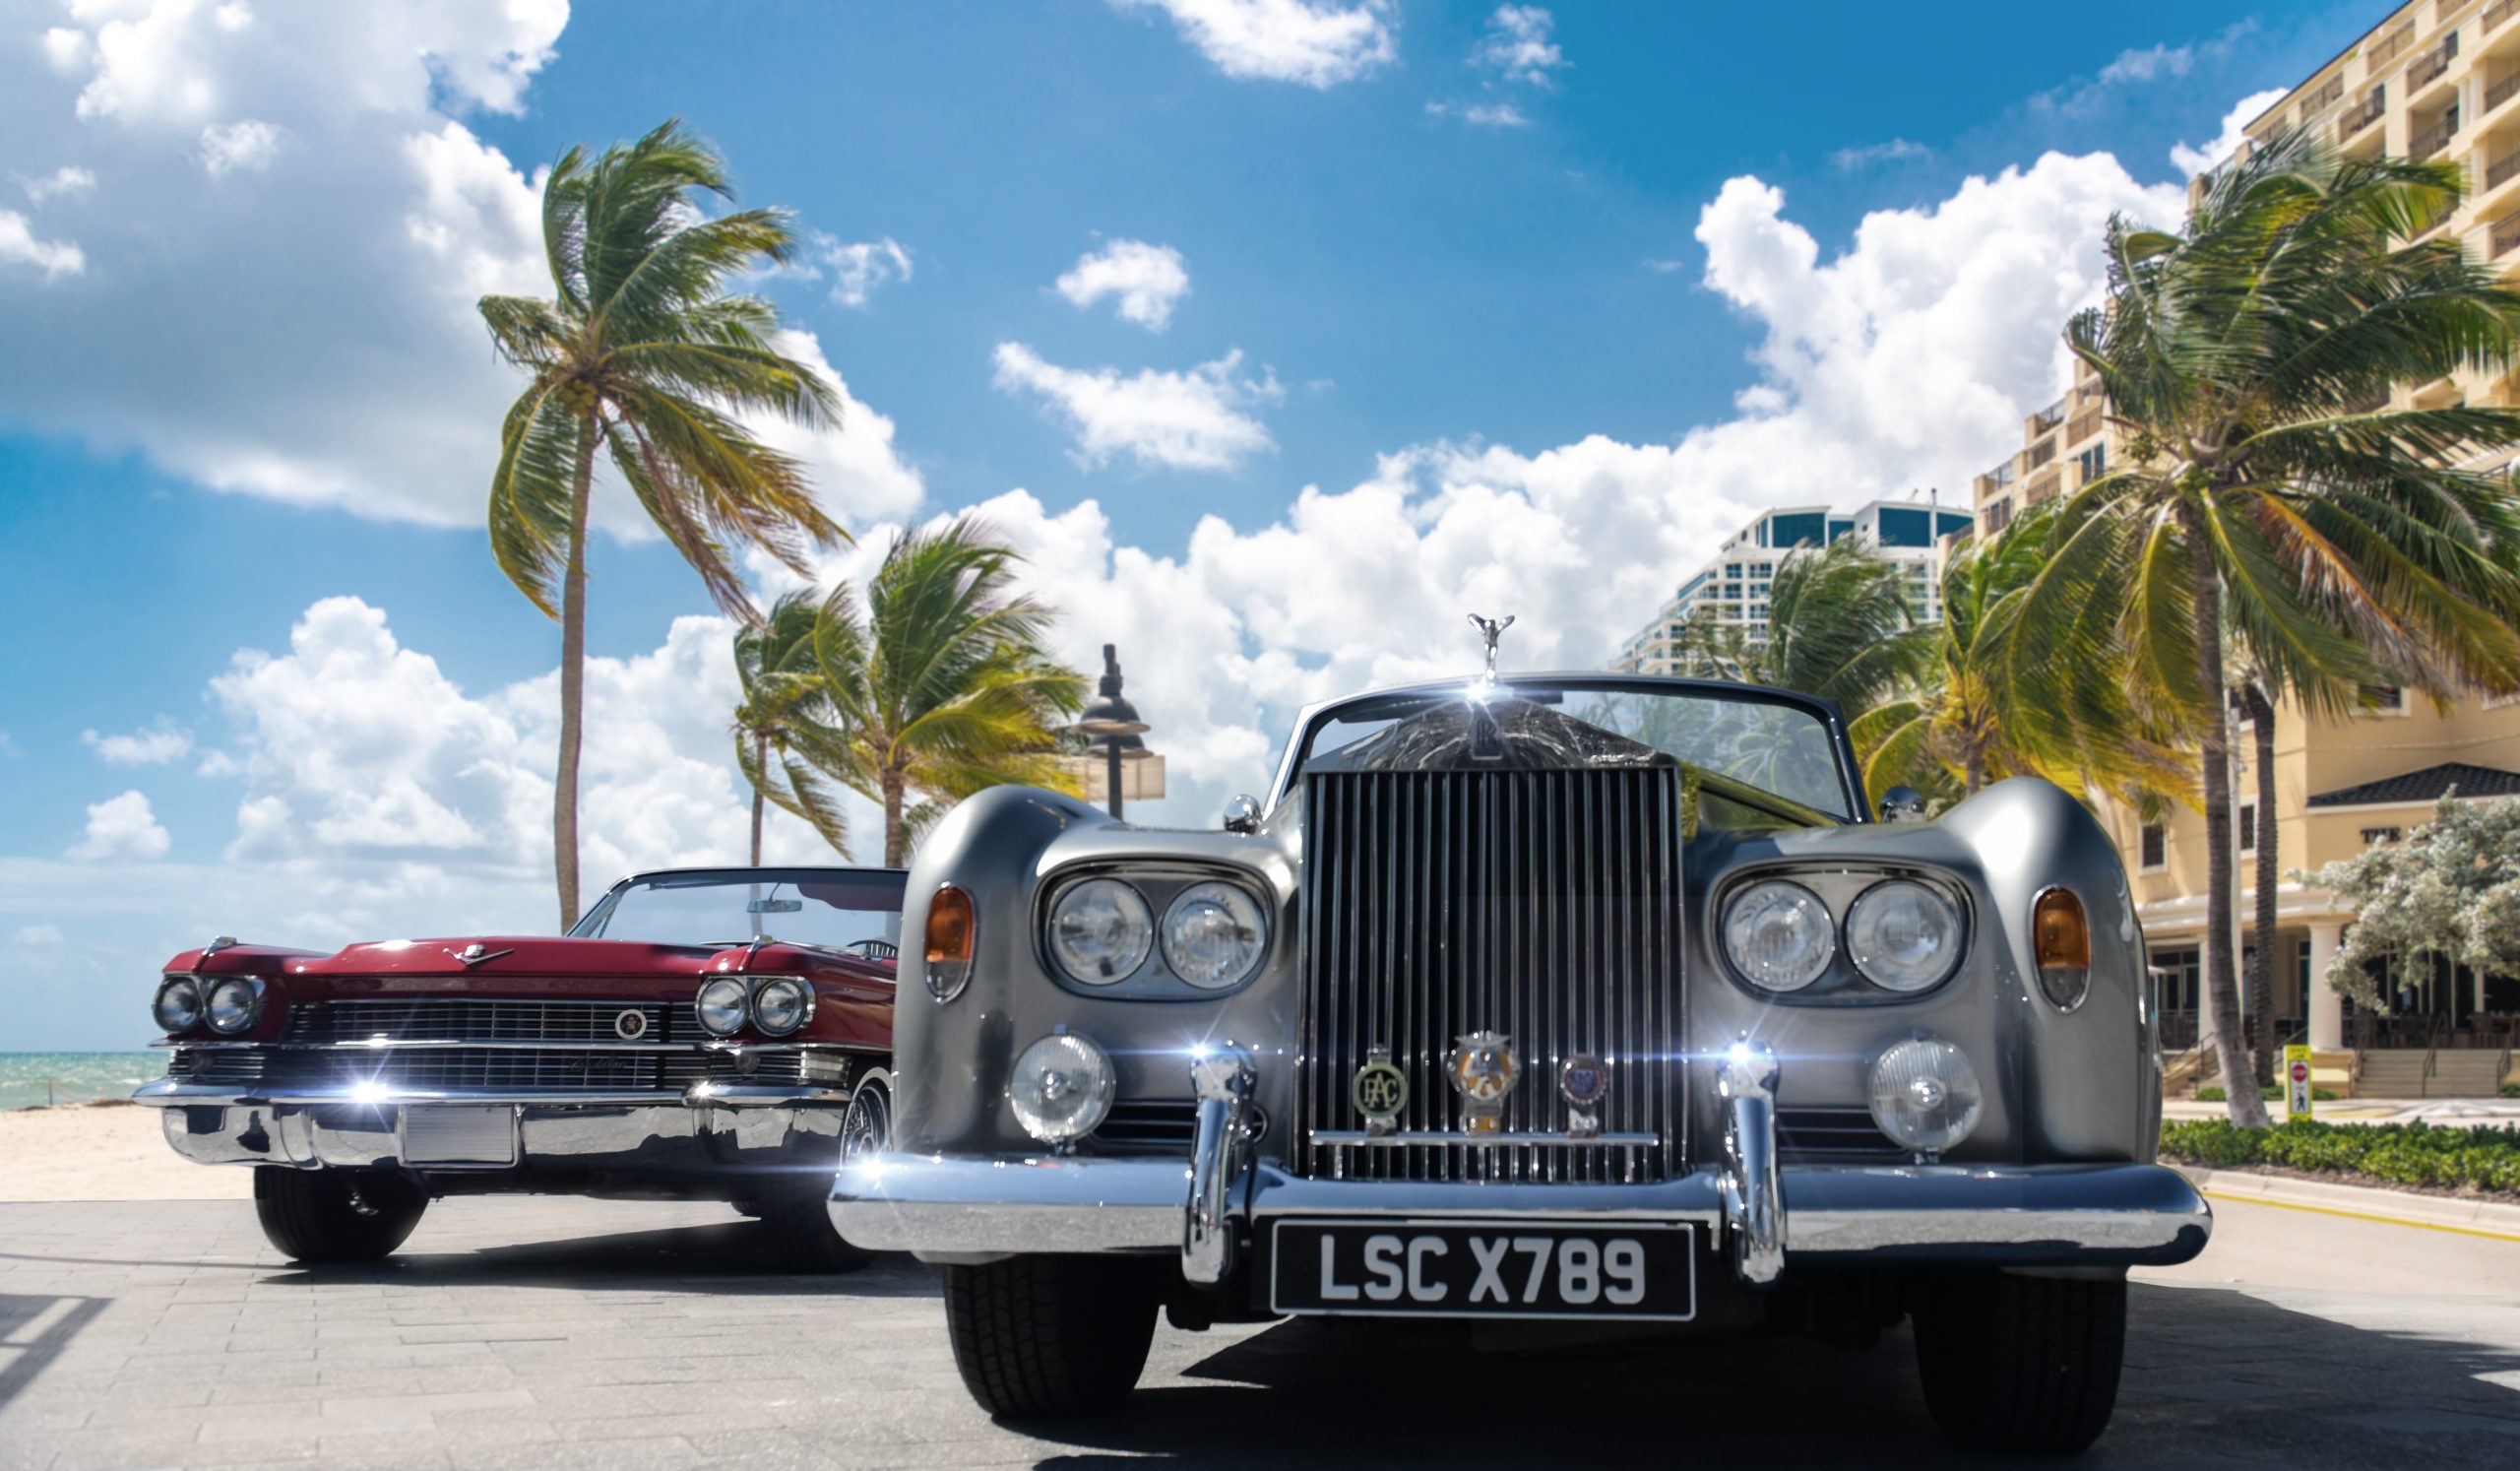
[
  {"x": 940, "y": 683},
  {"x": 2261, "y": 501},
  {"x": 1953, "y": 731},
  {"x": 644, "y": 356},
  {"x": 785, "y": 721},
  {"x": 1841, "y": 624}
]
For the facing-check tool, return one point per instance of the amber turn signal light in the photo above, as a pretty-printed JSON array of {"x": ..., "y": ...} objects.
[
  {"x": 2060, "y": 940},
  {"x": 951, "y": 930}
]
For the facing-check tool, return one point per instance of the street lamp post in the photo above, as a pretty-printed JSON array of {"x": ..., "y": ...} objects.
[{"x": 1112, "y": 723}]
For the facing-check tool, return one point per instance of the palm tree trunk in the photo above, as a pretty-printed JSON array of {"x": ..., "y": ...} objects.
[
  {"x": 1975, "y": 772},
  {"x": 2261, "y": 714},
  {"x": 761, "y": 763},
  {"x": 2221, "y": 998},
  {"x": 573, "y": 678},
  {"x": 894, "y": 793}
]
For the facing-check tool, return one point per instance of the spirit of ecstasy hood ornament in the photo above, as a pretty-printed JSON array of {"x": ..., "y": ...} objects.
[{"x": 1489, "y": 629}]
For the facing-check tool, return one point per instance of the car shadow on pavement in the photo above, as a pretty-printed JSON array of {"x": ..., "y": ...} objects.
[
  {"x": 2212, "y": 1377},
  {"x": 730, "y": 1258}
]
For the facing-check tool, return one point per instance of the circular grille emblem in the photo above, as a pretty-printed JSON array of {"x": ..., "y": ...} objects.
[{"x": 630, "y": 1026}]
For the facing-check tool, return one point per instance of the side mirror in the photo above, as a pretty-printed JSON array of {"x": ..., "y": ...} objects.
[
  {"x": 1903, "y": 804},
  {"x": 1243, "y": 815}
]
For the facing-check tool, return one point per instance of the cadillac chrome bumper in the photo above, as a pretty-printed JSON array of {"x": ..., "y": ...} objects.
[{"x": 963, "y": 1209}]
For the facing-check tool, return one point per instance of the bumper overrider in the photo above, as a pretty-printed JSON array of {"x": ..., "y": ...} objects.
[
  {"x": 963, "y": 1209},
  {"x": 704, "y": 1127}
]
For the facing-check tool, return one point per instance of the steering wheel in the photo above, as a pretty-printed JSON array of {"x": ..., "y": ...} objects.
[{"x": 874, "y": 949}]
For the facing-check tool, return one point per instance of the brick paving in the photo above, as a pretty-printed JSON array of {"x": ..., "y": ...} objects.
[{"x": 562, "y": 1332}]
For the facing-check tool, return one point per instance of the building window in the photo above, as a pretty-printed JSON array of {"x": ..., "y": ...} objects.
[
  {"x": 2248, "y": 828},
  {"x": 2094, "y": 461},
  {"x": 1997, "y": 516},
  {"x": 2374, "y": 837},
  {"x": 2385, "y": 699},
  {"x": 2153, "y": 847}
]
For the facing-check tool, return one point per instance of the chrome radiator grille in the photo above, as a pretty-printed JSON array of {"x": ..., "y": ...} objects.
[
  {"x": 478, "y": 1019},
  {"x": 1545, "y": 904}
]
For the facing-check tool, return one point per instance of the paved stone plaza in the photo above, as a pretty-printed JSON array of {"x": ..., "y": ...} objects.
[{"x": 562, "y": 1332}]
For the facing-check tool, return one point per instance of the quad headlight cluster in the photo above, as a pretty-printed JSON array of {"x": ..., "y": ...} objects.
[
  {"x": 773, "y": 1006},
  {"x": 1902, "y": 935},
  {"x": 229, "y": 1005},
  {"x": 1212, "y": 937}
]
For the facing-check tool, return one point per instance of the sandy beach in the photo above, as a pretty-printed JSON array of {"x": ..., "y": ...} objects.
[{"x": 103, "y": 1152}]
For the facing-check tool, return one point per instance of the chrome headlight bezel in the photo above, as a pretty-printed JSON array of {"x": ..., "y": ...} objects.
[
  {"x": 1098, "y": 1085},
  {"x": 1768, "y": 893},
  {"x": 1844, "y": 982},
  {"x": 1129, "y": 908},
  {"x": 1251, "y": 921},
  {"x": 241, "y": 1019},
  {"x": 1896, "y": 1083},
  {"x": 191, "y": 1016},
  {"x": 1168, "y": 971},
  {"x": 1864, "y": 951},
  {"x": 763, "y": 987},
  {"x": 740, "y": 988}
]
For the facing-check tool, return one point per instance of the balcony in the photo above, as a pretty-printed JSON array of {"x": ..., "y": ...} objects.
[
  {"x": 2503, "y": 237},
  {"x": 2503, "y": 91},
  {"x": 2387, "y": 49},
  {"x": 2084, "y": 426},
  {"x": 2504, "y": 170},
  {"x": 2331, "y": 90},
  {"x": 1994, "y": 480},
  {"x": 2428, "y": 67},
  {"x": 2039, "y": 454},
  {"x": 2049, "y": 417},
  {"x": 2041, "y": 488},
  {"x": 2434, "y": 139},
  {"x": 2359, "y": 115},
  {"x": 2498, "y": 13}
]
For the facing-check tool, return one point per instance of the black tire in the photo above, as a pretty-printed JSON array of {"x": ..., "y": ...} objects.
[
  {"x": 1043, "y": 1338},
  {"x": 2020, "y": 1364},
  {"x": 336, "y": 1215},
  {"x": 797, "y": 1212}
]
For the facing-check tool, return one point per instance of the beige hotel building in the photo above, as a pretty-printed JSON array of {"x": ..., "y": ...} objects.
[{"x": 2436, "y": 78}]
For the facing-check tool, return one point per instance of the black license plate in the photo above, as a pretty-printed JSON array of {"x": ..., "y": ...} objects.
[{"x": 1632, "y": 1269}]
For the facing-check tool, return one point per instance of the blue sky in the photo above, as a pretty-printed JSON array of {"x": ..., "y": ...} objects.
[{"x": 1409, "y": 310}]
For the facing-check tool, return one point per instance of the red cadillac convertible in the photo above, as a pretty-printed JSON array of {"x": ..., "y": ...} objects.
[{"x": 703, "y": 1034}]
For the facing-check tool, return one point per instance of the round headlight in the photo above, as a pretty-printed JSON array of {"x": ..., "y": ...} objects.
[
  {"x": 1903, "y": 936},
  {"x": 178, "y": 1004},
  {"x": 1101, "y": 932},
  {"x": 1062, "y": 1088},
  {"x": 1213, "y": 936},
  {"x": 721, "y": 1006},
  {"x": 781, "y": 1005},
  {"x": 233, "y": 1005},
  {"x": 1779, "y": 934},
  {"x": 1925, "y": 1094}
]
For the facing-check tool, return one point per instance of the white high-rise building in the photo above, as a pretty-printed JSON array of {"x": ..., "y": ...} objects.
[{"x": 1731, "y": 589}]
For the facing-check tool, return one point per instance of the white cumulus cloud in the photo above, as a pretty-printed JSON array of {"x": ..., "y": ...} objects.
[
  {"x": 1317, "y": 44},
  {"x": 1517, "y": 44},
  {"x": 2192, "y": 160},
  {"x": 1192, "y": 420},
  {"x": 19, "y": 246},
  {"x": 155, "y": 745},
  {"x": 859, "y": 267},
  {"x": 1146, "y": 279},
  {"x": 68, "y": 179},
  {"x": 121, "y": 827},
  {"x": 1482, "y": 114},
  {"x": 244, "y": 144}
]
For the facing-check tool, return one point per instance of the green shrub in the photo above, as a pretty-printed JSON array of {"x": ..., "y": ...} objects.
[
  {"x": 2212, "y": 1093},
  {"x": 2485, "y": 1158}
]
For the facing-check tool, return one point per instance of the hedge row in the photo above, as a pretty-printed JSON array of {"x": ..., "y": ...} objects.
[{"x": 2416, "y": 1154}]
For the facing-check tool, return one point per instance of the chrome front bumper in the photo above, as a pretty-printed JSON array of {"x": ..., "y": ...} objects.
[
  {"x": 966, "y": 1209},
  {"x": 709, "y": 1128}
]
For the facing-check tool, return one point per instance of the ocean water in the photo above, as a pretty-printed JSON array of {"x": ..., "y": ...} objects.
[{"x": 76, "y": 1077}]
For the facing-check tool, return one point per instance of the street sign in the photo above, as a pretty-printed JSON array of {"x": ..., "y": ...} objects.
[{"x": 2296, "y": 1081}]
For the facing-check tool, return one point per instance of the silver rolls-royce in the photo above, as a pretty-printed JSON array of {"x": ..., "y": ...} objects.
[{"x": 1537, "y": 997}]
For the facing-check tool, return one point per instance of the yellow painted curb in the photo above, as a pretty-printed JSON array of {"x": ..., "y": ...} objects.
[{"x": 2356, "y": 1215}]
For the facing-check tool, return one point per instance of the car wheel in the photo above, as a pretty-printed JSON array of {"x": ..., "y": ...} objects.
[
  {"x": 1049, "y": 1336},
  {"x": 2021, "y": 1363},
  {"x": 336, "y": 1215},
  {"x": 797, "y": 1212}
]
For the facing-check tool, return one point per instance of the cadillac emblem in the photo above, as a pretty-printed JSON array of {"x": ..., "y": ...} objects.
[
  {"x": 630, "y": 1025},
  {"x": 1380, "y": 1091},
  {"x": 1484, "y": 1070},
  {"x": 1584, "y": 1080}
]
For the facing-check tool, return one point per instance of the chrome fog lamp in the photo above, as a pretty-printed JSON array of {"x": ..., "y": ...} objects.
[
  {"x": 1101, "y": 932},
  {"x": 1925, "y": 1094},
  {"x": 234, "y": 1003},
  {"x": 1778, "y": 935},
  {"x": 781, "y": 1005},
  {"x": 1902, "y": 936},
  {"x": 1213, "y": 936},
  {"x": 723, "y": 1005},
  {"x": 178, "y": 1007},
  {"x": 1062, "y": 1088}
]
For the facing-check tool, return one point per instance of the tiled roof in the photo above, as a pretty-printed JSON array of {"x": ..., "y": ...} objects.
[{"x": 2430, "y": 784}]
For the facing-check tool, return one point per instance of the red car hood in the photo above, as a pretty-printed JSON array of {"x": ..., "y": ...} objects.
[{"x": 512, "y": 955}]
